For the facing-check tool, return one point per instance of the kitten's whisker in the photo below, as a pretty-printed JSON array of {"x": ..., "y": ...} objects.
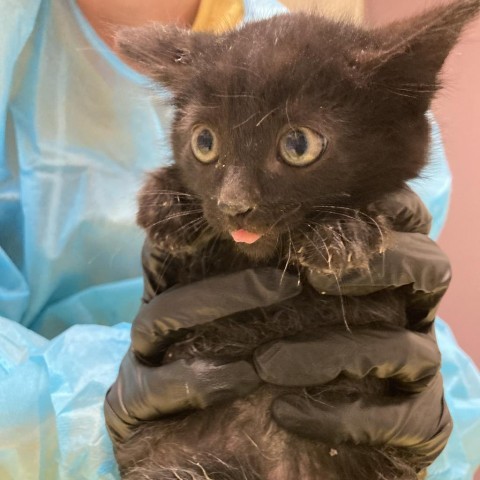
[
  {"x": 340, "y": 294},
  {"x": 359, "y": 212},
  {"x": 312, "y": 398},
  {"x": 175, "y": 215},
  {"x": 342, "y": 303},
  {"x": 313, "y": 243},
  {"x": 266, "y": 116},
  {"x": 288, "y": 260},
  {"x": 204, "y": 472},
  {"x": 215, "y": 240},
  {"x": 209, "y": 106},
  {"x": 404, "y": 90},
  {"x": 286, "y": 113},
  {"x": 167, "y": 192},
  {"x": 280, "y": 249},
  {"x": 193, "y": 225},
  {"x": 297, "y": 263},
  {"x": 161, "y": 273},
  {"x": 245, "y": 121},
  {"x": 425, "y": 89},
  {"x": 249, "y": 70},
  {"x": 337, "y": 207},
  {"x": 161, "y": 197},
  {"x": 239, "y": 95},
  {"x": 290, "y": 212},
  {"x": 397, "y": 92},
  {"x": 160, "y": 206},
  {"x": 250, "y": 439},
  {"x": 345, "y": 215},
  {"x": 182, "y": 213}
]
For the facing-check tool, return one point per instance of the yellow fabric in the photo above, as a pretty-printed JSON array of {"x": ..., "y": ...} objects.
[
  {"x": 218, "y": 16},
  {"x": 351, "y": 10}
]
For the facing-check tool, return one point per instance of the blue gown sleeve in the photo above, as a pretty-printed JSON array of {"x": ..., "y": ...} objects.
[{"x": 14, "y": 292}]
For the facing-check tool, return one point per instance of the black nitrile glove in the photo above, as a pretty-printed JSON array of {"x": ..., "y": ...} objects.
[
  {"x": 417, "y": 417},
  {"x": 144, "y": 391},
  {"x": 418, "y": 420},
  {"x": 168, "y": 316}
]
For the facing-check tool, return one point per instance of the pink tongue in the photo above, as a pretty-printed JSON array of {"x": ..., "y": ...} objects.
[{"x": 242, "y": 236}]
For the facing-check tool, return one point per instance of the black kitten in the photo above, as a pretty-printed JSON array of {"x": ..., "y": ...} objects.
[{"x": 286, "y": 133}]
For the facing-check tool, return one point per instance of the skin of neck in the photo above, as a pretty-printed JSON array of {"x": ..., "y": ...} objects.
[{"x": 106, "y": 16}]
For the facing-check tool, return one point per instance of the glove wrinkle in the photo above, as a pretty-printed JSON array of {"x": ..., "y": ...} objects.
[
  {"x": 163, "y": 320},
  {"x": 118, "y": 427},
  {"x": 385, "y": 352},
  {"x": 406, "y": 211},
  {"x": 414, "y": 260},
  {"x": 153, "y": 392},
  {"x": 415, "y": 263},
  {"x": 405, "y": 422}
]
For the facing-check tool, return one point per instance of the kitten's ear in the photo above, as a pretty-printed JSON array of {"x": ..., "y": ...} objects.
[
  {"x": 409, "y": 54},
  {"x": 166, "y": 54}
]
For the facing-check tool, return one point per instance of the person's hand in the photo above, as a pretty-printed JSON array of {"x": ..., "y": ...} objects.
[
  {"x": 144, "y": 391},
  {"x": 167, "y": 317},
  {"x": 410, "y": 358},
  {"x": 415, "y": 416}
]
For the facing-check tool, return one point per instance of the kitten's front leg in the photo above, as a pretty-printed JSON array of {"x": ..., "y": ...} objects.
[
  {"x": 334, "y": 246},
  {"x": 172, "y": 216}
]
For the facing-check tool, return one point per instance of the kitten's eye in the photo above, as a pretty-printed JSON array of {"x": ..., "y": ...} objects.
[
  {"x": 204, "y": 144},
  {"x": 301, "y": 146}
]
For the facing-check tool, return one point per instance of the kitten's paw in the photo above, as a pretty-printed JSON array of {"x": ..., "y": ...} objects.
[
  {"x": 338, "y": 247},
  {"x": 172, "y": 217}
]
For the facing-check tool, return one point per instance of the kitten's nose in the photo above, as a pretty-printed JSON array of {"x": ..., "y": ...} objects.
[{"x": 234, "y": 209}]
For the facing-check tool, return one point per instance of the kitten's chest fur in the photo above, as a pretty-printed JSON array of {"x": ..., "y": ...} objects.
[
  {"x": 240, "y": 438},
  {"x": 238, "y": 335}
]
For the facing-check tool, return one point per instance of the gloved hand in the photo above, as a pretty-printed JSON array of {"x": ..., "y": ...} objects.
[
  {"x": 410, "y": 358},
  {"x": 167, "y": 317},
  {"x": 416, "y": 417},
  {"x": 144, "y": 391}
]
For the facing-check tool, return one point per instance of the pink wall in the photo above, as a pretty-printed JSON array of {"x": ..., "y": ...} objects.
[{"x": 457, "y": 109}]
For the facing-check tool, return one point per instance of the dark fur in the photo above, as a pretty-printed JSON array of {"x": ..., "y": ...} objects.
[{"x": 367, "y": 92}]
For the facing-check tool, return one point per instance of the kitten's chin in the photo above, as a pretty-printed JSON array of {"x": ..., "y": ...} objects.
[{"x": 262, "y": 249}]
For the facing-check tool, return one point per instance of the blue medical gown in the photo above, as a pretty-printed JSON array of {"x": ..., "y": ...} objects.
[{"x": 78, "y": 129}]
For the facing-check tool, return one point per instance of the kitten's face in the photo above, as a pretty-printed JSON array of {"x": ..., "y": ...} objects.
[
  {"x": 266, "y": 161},
  {"x": 296, "y": 113},
  {"x": 271, "y": 137}
]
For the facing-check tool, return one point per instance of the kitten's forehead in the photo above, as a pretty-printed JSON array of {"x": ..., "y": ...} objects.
[
  {"x": 269, "y": 69},
  {"x": 283, "y": 53},
  {"x": 287, "y": 38}
]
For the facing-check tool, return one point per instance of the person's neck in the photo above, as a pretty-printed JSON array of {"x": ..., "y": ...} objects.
[{"x": 107, "y": 15}]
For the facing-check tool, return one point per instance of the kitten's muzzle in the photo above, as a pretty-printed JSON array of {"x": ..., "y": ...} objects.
[{"x": 235, "y": 209}]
